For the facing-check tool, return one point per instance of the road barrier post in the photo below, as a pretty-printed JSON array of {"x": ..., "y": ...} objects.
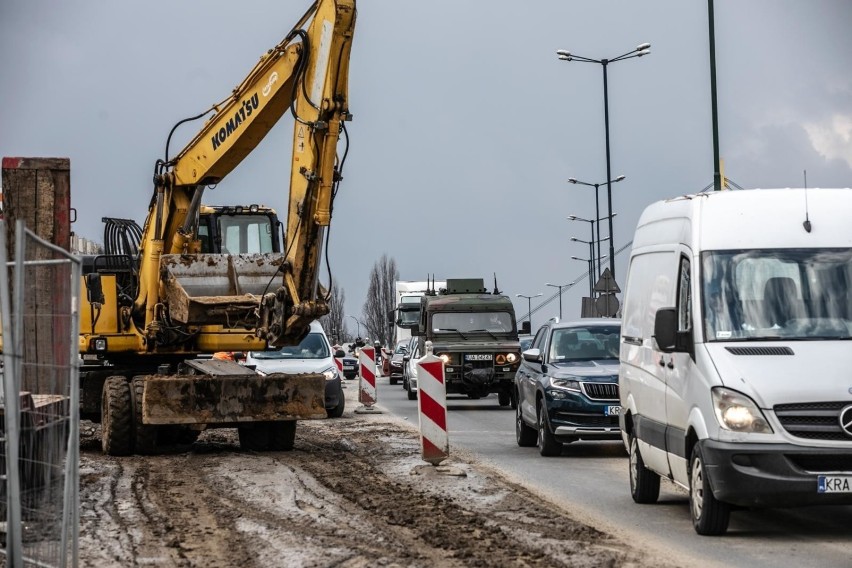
[
  {"x": 367, "y": 393},
  {"x": 432, "y": 407}
]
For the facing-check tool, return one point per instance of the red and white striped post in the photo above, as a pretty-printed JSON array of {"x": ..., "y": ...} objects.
[
  {"x": 339, "y": 362},
  {"x": 432, "y": 406},
  {"x": 367, "y": 394}
]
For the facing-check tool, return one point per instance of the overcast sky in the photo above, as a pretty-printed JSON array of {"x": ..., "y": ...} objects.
[{"x": 467, "y": 126}]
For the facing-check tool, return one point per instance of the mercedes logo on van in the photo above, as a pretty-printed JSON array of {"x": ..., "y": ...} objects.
[{"x": 846, "y": 420}]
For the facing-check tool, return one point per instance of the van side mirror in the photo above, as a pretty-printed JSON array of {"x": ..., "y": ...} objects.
[{"x": 668, "y": 338}]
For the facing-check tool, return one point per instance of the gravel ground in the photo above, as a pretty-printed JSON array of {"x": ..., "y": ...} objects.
[{"x": 354, "y": 492}]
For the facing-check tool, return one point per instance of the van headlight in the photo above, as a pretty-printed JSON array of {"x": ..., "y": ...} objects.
[
  {"x": 738, "y": 413},
  {"x": 330, "y": 373}
]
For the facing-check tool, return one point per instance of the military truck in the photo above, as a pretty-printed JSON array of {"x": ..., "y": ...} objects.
[{"x": 476, "y": 335}]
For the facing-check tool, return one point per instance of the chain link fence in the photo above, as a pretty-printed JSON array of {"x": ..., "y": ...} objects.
[{"x": 39, "y": 496}]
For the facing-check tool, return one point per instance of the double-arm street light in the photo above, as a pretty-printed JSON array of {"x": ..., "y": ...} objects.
[
  {"x": 597, "y": 209},
  {"x": 560, "y": 286},
  {"x": 529, "y": 306},
  {"x": 639, "y": 51},
  {"x": 359, "y": 324},
  {"x": 592, "y": 223}
]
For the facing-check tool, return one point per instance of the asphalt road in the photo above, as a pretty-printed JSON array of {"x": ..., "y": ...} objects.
[{"x": 590, "y": 480}]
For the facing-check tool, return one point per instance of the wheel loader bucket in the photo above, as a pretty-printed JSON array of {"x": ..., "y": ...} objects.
[{"x": 217, "y": 289}]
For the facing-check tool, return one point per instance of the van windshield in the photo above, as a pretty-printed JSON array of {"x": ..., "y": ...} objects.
[{"x": 783, "y": 294}]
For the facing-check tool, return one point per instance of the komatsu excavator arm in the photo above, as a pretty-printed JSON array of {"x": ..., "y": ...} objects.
[{"x": 306, "y": 74}]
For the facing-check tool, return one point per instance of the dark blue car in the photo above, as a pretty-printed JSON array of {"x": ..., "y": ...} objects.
[{"x": 567, "y": 385}]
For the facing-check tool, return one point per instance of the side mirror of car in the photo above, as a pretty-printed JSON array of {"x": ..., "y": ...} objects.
[
  {"x": 406, "y": 358},
  {"x": 339, "y": 353},
  {"x": 532, "y": 355}
]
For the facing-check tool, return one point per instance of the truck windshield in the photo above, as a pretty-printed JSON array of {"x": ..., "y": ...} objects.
[
  {"x": 466, "y": 322},
  {"x": 409, "y": 316},
  {"x": 783, "y": 294}
]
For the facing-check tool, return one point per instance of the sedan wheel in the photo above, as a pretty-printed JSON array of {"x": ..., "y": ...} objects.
[
  {"x": 525, "y": 435},
  {"x": 547, "y": 444}
]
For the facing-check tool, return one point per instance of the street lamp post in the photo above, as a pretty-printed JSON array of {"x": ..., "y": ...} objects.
[
  {"x": 560, "y": 286},
  {"x": 529, "y": 306},
  {"x": 638, "y": 51},
  {"x": 358, "y": 322},
  {"x": 597, "y": 211},
  {"x": 591, "y": 255},
  {"x": 592, "y": 223}
]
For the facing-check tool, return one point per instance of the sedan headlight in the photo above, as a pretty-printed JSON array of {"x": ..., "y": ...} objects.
[
  {"x": 396, "y": 363},
  {"x": 565, "y": 384},
  {"x": 330, "y": 373},
  {"x": 738, "y": 413}
]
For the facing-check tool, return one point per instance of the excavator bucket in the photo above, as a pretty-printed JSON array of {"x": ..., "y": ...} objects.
[
  {"x": 217, "y": 289},
  {"x": 224, "y": 392}
]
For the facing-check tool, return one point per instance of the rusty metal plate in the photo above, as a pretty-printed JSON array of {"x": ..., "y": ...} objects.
[{"x": 223, "y": 399}]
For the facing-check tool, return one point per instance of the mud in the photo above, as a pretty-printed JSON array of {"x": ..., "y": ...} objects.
[{"x": 352, "y": 493}]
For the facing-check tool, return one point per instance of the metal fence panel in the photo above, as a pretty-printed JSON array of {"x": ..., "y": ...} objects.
[{"x": 39, "y": 292}]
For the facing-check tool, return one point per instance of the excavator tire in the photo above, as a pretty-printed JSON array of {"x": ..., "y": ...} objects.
[
  {"x": 145, "y": 435},
  {"x": 282, "y": 436},
  {"x": 254, "y": 437},
  {"x": 116, "y": 417}
]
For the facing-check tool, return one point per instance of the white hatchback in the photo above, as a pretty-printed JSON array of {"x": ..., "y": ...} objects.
[{"x": 312, "y": 355}]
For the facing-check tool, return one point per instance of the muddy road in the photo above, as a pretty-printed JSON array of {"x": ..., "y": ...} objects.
[{"x": 353, "y": 492}]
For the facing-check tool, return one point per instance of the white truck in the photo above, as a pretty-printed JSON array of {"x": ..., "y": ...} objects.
[{"x": 407, "y": 316}]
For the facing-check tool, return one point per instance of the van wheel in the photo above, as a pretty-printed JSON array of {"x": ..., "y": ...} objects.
[
  {"x": 644, "y": 483},
  {"x": 709, "y": 515},
  {"x": 548, "y": 446},
  {"x": 525, "y": 435}
]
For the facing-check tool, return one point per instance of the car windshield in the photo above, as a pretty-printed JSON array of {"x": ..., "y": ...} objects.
[
  {"x": 777, "y": 294},
  {"x": 589, "y": 343},
  {"x": 471, "y": 322},
  {"x": 313, "y": 346},
  {"x": 401, "y": 347}
]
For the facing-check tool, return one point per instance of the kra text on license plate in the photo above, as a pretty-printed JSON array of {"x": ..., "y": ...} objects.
[
  {"x": 612, "y": 410},
  {"x": 834, "y": 484}
]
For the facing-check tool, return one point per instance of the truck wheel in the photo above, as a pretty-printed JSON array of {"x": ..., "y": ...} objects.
[
  {"x": 116, "y": 419},
  {"x": 709, "y": 515},
  {"x": 254, "y": 436},
  {"x": 337, "y": 411},
  {"x": 525, "y": 435},
  {"x": 474, "y": 395},
  {"x": 145, "y": 438},
  {"x": 548, "y": 446},
  {"x": 282, "y": 435},
  {"x": 504, "y": 398},
  {"x": 644, "y": 483}
]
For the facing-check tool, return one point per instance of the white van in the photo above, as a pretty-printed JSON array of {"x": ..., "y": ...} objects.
[{"x": 736, "y": 351}]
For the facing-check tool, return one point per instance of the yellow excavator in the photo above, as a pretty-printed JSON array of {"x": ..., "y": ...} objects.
[{"x": 151, "y": 311}]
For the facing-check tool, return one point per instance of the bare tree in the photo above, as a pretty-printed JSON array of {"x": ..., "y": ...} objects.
[
  {"x": 333, "y": 322},
  {"x": 379, "y": 306}
]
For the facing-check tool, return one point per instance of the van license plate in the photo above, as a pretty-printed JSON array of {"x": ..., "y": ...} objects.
[
  {"x": 612, "y": 410},
  {"x": 834, "y": 484}
]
